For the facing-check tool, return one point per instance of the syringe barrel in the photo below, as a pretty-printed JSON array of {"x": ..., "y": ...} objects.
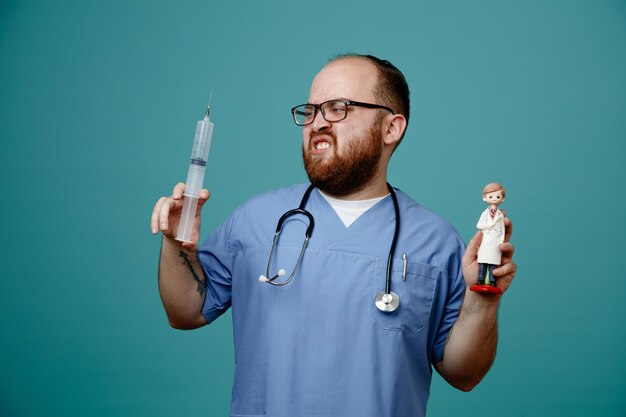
[
  {"x": 199, "y": 156},
  {"x": 185, "y": 226},
  {"x": 195, "y": 178},
  {"x": 202, "y": 140}
]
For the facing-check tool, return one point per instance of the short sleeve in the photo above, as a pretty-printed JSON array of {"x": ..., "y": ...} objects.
[
  {"x": 452, "y": 297},
  {"x": 217, "y": 260}
]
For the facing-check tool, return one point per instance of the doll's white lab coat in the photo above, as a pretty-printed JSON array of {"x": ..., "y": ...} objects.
[{"x": 493, "y": 235}]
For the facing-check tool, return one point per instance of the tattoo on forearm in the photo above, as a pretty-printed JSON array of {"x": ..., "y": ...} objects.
[{"x": 199, "y": 281}]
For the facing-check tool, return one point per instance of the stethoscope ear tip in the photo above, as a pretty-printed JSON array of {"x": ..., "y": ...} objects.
[
  {"x": 281, "y": 272},
  {"x": 263, "y": 278}
]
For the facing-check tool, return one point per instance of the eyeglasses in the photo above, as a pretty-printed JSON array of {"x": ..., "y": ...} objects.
[{"x": 332, "y": 111}]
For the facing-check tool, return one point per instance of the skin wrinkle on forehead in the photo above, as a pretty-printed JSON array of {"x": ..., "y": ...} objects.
[{"x": 341, "y": 76}]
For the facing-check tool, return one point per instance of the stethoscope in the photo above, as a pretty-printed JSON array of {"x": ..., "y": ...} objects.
[{"x": 386, "y": 301}]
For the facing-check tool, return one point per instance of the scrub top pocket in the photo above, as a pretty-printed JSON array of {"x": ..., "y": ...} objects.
[{"x": 416, "y": 295}]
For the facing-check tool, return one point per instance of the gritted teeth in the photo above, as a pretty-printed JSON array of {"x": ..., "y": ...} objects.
[{"x": 322, "y": 145}]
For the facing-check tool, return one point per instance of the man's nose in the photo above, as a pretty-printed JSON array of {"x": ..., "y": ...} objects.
[{"x": 319, "y": 122}]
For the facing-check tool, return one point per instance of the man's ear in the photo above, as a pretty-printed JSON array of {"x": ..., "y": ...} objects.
[{"x": 393, "y": 128}]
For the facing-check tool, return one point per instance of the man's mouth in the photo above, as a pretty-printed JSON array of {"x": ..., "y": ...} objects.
[{"x": 320, "y": 145}]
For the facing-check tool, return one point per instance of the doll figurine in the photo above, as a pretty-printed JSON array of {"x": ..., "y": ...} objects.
[{"x": 491, "y": 223}]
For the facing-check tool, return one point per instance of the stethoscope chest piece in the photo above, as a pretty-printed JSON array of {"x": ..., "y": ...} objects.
[{"x": 387, "y": 302}]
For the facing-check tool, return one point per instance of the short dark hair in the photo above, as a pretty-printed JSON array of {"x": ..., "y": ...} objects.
[{"x": 393, "y": 89}]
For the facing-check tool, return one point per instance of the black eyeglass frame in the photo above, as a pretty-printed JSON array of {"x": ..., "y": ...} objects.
[{"x": 318, "y": 107}]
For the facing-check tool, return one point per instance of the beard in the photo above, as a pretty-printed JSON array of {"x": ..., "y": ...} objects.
[{"x": 340, "y": 175}]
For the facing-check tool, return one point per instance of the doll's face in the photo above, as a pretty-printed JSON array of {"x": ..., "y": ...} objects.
[{"x": 493, "y": 198}]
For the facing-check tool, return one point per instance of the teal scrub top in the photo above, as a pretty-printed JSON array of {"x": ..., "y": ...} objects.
[{"x": 318, "y": 346}]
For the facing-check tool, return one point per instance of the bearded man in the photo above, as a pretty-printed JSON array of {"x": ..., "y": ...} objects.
[{"x": 350, "y": 322}]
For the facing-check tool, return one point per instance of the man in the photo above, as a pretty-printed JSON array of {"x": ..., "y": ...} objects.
[{"x": 319, "y": 346}]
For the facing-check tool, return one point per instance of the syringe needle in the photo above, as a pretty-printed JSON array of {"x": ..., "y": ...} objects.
[{"x": 208, "y": 108}]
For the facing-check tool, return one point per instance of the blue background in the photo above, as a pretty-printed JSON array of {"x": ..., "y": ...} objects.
[{"x": 98, "y": 108}]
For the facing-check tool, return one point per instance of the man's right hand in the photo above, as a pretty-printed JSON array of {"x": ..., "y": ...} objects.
[{"x": 166, "y": 216}]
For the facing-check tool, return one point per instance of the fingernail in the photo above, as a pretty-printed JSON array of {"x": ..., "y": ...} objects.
[{"x": 163, "y": 225}]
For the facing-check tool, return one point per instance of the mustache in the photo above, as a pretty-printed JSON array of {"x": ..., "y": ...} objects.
[{"x": 315, "y": 135}]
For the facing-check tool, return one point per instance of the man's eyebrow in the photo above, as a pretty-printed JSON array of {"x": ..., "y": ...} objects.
[
  {"x": 332, "y": 99},
  {"x": 338, "y": 99}
]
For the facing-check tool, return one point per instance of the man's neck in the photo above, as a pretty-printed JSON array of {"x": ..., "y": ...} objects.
[{"x": 373, "y": 189}]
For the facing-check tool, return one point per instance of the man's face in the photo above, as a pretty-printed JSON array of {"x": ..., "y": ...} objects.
[
  {"x": 493, "y": 198},
  {"x": 342, "y": 157}
]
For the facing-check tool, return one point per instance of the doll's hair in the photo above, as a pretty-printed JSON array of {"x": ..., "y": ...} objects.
[{"x": 494, "y": 186}]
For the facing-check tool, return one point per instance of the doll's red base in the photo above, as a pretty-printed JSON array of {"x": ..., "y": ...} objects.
[{"x": 485, "y": 288}]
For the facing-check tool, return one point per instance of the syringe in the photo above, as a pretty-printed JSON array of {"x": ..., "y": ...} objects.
[{"x": 195, "y": 175}]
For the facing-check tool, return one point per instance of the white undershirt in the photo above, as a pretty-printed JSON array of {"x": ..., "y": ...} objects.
[{"x": 350, "y": 210}]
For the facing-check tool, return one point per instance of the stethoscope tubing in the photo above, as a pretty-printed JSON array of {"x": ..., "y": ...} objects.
[
  {"x": 390, "y": 299},
  {"x": 307, "y": 236},
  {"x": 395, "y": 238}
]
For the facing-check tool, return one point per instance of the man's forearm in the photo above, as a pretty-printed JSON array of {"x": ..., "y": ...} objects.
[
  {"x": 181, "y": 284},
  {"x": 471, "y": 346}
]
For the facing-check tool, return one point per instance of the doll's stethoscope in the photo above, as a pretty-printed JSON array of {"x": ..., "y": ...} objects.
[{"x": 386, "y": 301}]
